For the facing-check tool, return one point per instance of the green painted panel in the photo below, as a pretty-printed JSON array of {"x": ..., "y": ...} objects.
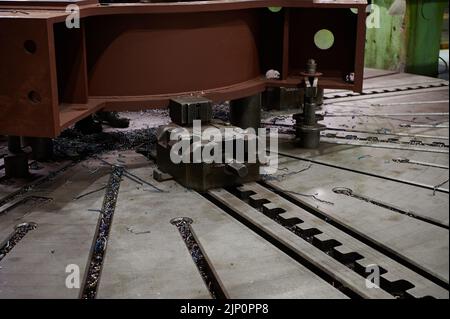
[
  {"x": 385, "y": 46},
  {"x": 425, "y": 20}
]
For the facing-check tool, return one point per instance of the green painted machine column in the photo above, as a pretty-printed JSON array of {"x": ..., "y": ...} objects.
[
  {"x": 424, "y": 28},
  {"x": 405, "y": 40},
  {"x": 385, "y": 38}
]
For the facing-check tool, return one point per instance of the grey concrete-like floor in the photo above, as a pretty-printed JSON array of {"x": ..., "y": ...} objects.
[{"x": 157, "y": 264}]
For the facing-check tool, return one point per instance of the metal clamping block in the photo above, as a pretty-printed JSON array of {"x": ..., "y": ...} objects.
[{"x": 223, "y": 168}]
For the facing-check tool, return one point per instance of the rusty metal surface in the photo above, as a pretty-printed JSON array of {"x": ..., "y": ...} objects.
[{"x": 119, "y": 59}]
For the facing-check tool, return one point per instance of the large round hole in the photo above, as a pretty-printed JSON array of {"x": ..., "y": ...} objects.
[
  {"x": 324, "y": 39},
  {"x": 30, "y": 46},
  {"x": 34, "y": 97},
  {"x": 275, "y": 9}
]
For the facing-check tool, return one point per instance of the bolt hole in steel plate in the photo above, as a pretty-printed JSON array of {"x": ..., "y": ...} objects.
[
  {"x": 343, "y": 190},
  {"x": 25, "y": 225},
  {"x": 324, "y": 39},
  {"x": 34, "y": 97},
  {"x": 177, "y": 220},
  {"x": 30, "y": 46}
]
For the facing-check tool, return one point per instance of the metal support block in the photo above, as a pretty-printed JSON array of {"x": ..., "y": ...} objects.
[
  {"x": 16, "y": 166},
  {"x": 246, "y": 112},
  {"x": 184, "y": 110},
  {"x": 282, "y": 98},
  {"x": 42, "y": 147},
  {"x": 14, "y": 144}
]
